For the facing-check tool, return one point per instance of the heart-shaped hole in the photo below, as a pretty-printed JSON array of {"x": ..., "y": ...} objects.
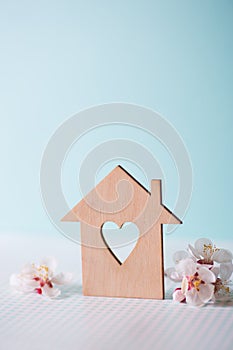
[{"x": 121, "y": 241}]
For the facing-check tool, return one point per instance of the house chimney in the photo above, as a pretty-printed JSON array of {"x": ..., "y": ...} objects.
[{"x": 156, "y": 193}]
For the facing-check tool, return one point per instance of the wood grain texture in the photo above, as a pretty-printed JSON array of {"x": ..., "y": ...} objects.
[
  {"x": 140, "y": 276},
  {"x": 120, "y": 198}
]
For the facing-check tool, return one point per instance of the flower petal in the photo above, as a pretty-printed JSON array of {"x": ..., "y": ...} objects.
[
  {"x": 193, "y": 252},
  {"x": 171, "y": 273},
  {"x": 178, "y": 295},
  {"x": 223, "y": 297},
  {"x": 184, "y": 285},
  {"x": 180, "y": 255},
  {"x": 199, "y": 245},
  {"x": 50, "y": 262},
  {"x": 30, "y": 282},
  {"x": 206, "y": 275},
  {"x": 186, "y": 267},
  {"x": 14, "y": 280},
  {"x": 24, "y": 285},
  {"x": 28, "y": 269},
  {"x": 51, "y": 292},
  {"x": 192, "y": 298},
  {"x": 226, "y": 270},
  {"x": 222, "y": 256},
  {"x": 222, "y": 291},
  {"x": 215, "y": 270},
  {"x": 206, "y": 292},
  {"x": 62, "y": 278}
]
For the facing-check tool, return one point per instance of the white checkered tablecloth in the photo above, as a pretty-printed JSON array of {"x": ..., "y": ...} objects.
[
  {"x": 77, "y": 322},
  {"x": 31, "y": 322}
]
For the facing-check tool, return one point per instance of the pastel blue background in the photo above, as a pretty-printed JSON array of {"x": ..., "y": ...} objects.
[{"x": 59, "y": 57}]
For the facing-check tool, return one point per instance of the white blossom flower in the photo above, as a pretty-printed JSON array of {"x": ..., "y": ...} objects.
[
  {"x": 223, "y": 271},
  {"x": 222, "y": 284},
  {"x": 171, "y": 272},
  {"x": 197, "y": 284},
  {"x": 40, "y": 278},
  {"x": 207, "y": 253},
  {"x": 221, "y": 291},
  {"x": 204, "y": 271}
]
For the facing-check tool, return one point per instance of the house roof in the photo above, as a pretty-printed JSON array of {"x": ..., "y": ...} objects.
[{"x": 119, "y": 197}]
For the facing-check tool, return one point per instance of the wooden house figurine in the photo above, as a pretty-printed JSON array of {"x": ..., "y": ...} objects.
[{"x": 120, "y": 198}]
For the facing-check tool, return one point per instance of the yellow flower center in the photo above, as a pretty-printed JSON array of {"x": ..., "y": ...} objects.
[
  {"x": 208, "y": 249},
  {"x": 42, "y": 272},
  {"x": 196, "y": 284},
  {"x": 194, "y": 281}
]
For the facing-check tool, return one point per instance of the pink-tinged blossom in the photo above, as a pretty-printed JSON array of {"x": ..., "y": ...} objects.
[
  {"x": 204, "y": 271},
  {"x": 197, "y": 285},
  {"x": 207, "y": 253},
  {"x": 40, "y": 278}
]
